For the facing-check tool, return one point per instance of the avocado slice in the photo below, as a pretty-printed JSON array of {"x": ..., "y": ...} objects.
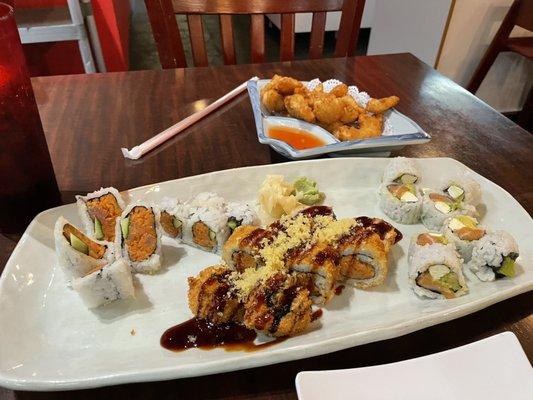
[
  {"x": 408, "y": 179},
  {"x": 125, "y": 227},
  {"x": 78, "y": 245},
  {"x": 507, "y": 269},
  {"x": 212, "y": 235},
  {"x": 177, "y": 223},
  {"x": 233, "y": 223},
  {"x": 98, "y": 233},
  {"x": 451, "y": 281}
]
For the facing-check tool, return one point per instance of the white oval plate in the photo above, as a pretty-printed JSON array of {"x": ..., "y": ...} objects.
[{"x": 50, "y": 341}]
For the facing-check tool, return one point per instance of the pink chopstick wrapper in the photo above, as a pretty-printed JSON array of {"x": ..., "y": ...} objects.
[{"x": 138, "y": 151}]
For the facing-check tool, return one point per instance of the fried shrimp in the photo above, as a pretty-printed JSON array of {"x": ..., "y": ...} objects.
[
  {"x": 273, "y": 101},
  {"x": 285, "y": 85},
  {"x": 328, "y": 109},
  {"x": 369, "y": 126},
  {"x": 340, "y": 90},
  {"x": 378, "y": 106},
  {"x": 298, "y": 107},
  {"x": 351, "y": 110}
]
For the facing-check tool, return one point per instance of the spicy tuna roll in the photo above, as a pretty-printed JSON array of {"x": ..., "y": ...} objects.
[
  {"x": 494, "y": 256},
  {"x": 435, "y": 272},
  {"x": 171, "y": 217},
  {"x": 463, "y": 231},
  {"x": 206, "y": 228},
  {"x": 401, "y": 170},
  {"x": 102, "y": 286},
  {"x": 138, "y": 236},
  {"x": 99, "y": 211},
  {"x": 77, "y": 254},
  {"x": 463, "y": 189},
  {"x": 401, "y": 202},
  {"x": 239, "y": 213},
  {"x": 437, "y": 207}
]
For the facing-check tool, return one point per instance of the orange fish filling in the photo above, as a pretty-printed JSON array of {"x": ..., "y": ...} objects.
[
  {"x": 425, "y": 239},
  {"x": 397, "y": 190},
  {"x": 95, "y": 250},
  {"x": 167, "y": 222},
  {"x": 142, "y": 236},
  {"x": 427, "y": 282},
  {"x": 440, "y": 197},
  {"x": 243, "y": 260},
  {"x": 352, "y": 267},
  {"x": 106, "y": 209},
  {"x": 201, "y": 235},
  {"x": 470, "y": 234}
]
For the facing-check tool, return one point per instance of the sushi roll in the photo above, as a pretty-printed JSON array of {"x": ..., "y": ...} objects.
[
  {"x": 206, "y": 228},
  {"x": 207, "y": 199},
  {"x": 138, "y": 236},
  {"x": 241, "y": 250},
  {"x": 99, "y": 212},
  {"x": 78, "y": 255},
  {"x": 401, "y": 170},
  {"x": 105, "y": 285},
  {"x": 319, "y": 263},
  {"x": 401, "y": 202},
  {"x": 388, "y": 234},
  {"x": 426, "y": 239},
  {"x": 238, "y": 214},
  {"x": 463, "y": 231},
  {"x": 494, "y": 256},
  {"x": 435, "y": 272},
  {"x": 363, "y": 261},
  {"x": 463, "y": 189},
  {"x": 171, "y": 218},
  {"x": 437, "y": 207}
]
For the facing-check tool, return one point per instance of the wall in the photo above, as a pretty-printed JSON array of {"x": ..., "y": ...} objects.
[{"x": 472, "y": 26}]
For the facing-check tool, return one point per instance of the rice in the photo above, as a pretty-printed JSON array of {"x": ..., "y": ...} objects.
[
  {"x": 215, "y": 220},
  {"x": 488, "y": 253},
  {"x": 472, "y": 189},
  {"x": 433, "y": 219},
  {"x": 400, "y": 166}
]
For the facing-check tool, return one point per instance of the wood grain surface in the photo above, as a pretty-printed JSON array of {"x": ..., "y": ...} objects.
[{"x": 88, "y": 118}]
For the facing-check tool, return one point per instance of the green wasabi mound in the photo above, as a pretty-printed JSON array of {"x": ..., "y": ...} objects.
[
  {"x": 451, "y": 281},
  {"x": 307, "y": 192}
]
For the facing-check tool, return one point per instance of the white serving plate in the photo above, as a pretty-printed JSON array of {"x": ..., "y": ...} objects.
[
  {"x": 405, "y": 132},
  {"x": 50, "y": 341},
  {"x": 490, "y": 369}
]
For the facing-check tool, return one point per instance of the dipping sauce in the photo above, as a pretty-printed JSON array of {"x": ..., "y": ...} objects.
[
  {"x": 295, "y": 137},
  {"x": 204, "y": 335}
]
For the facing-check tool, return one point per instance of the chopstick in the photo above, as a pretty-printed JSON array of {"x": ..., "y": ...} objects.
[{"x": 143, "y": 148}]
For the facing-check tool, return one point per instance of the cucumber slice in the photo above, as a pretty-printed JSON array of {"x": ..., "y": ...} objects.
[
  {"x": 408, "y": 178},
  {"x": 125, "y": 227},
  {"x": 233, "y": 223},
  {"x": 177, "y": 223},
  {"x": 212, "y": 235},
  {"x": 78, "y": 245},
  {"x": 98, "y": 233}
]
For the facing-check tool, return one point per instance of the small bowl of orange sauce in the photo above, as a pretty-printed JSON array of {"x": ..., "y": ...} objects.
[{"x": 300, "y": 135}]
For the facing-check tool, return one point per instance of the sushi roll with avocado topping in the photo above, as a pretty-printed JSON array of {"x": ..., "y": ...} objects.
[
  {"x": 437, "y": 207},
  {"x": 435, "y": 271},
  {"x": 206, "y": 228},
  {"x": 401, "y": 202},
  {"x": 171, "y": 217},
  {"x": 138, "y": 236},
  {"x": 105, "y": 285},
  {"x": 401, "y": 170},
  {"x": 427, "y": 239},
  {"x": 239, "y": 213},
  {"x": 77, "y": 254},
  {"x": 99, "y": 212},
  {"x": 463, "y": 189},
  {"x": 463, "y": 231},
  {"x": 494, "y": 256}
]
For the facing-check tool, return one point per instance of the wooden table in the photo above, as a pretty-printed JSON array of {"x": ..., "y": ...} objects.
[{"x": 88, "y": 118}]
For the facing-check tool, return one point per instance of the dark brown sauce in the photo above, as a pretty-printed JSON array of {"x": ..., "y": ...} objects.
[
  {"x": 328, "y": 254},
  {"x": 339, "y": 289},
  {"x": 316, "y": 315},
  {"x": 198, "y": 333},
  {"x": 380, "y": 227},
  {"x": 255, "y": 238},
  {"x": 315, "y": 211}
]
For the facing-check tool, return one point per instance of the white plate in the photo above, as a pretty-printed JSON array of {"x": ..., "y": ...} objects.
[
  {"x": 491, "y": 369},
  {"x": 50, "y": 341},
  {"x": 405, "y": 132}
]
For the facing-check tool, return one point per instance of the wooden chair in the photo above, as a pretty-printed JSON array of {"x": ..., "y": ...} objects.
[
  {"x": 170, "y": 47},
  {"x": 520, "y": 14}
]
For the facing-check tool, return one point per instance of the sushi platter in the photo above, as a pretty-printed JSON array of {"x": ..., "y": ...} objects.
[{"x": 98, "y": 294}]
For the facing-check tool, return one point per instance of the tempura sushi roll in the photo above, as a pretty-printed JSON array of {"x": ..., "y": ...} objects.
[
  {"x": 463, "y": 189},
  {"x": 437, "y": 207},
  {"x": 241, "y": 250},
  {"x": 319, "y": 263},
  {"x": 363, "y": 261},
  {"x": 138, "y": 236},
  {"x": 388, "y": 234},
  {"x": 435, "y": 272},
  {"x": 240, "y": 213},
  {"x": 401, "y": 170},
  {"x": 102, "y": 286},
  {"x": 172, "y": 215},
  {"x": 206, "y": 228},
  {"x": 77, "y": 254},
  {"x": 426, "y": 239},
  {"x": 494, "y": 256},
  {"x": 400, "y": 202},
  {"x": 99, "y": 212},
  {"x": 463, "y": 231}
]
